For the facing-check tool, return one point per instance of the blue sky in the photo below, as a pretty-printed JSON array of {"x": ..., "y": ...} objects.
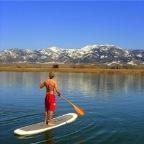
[{"x": 40, "y": 24}]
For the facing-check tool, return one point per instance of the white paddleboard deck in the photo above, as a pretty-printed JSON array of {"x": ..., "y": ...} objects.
[{"x": 42, "y": 127}]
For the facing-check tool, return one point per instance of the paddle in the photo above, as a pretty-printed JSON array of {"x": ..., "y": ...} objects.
[{"x": 78, "y": 109}]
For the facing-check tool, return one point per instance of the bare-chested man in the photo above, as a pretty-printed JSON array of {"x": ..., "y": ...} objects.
[{"x": 51, "y": 87}]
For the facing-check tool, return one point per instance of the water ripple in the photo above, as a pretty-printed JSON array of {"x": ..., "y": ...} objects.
[{"x": 15, "y": 119}]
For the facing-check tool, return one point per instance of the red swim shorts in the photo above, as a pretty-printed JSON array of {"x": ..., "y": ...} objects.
[{"x": 50, "y": 103}]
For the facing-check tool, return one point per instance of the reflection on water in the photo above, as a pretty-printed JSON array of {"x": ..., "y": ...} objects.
[
  {"x": 49, "y": 137},
  {"x": 70, "y": 81},
  {"x": 91, "y": 82},
  {"x": 113, "y": 105}
]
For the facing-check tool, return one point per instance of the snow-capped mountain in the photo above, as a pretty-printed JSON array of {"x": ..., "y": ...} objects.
[{"x": 103, "y": 54}]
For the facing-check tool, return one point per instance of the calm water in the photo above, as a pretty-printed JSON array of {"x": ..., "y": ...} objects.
[{"x": 114, "y": 106}]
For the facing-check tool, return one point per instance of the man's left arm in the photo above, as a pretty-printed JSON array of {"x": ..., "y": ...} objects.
[{"x": 56, "y": 89}]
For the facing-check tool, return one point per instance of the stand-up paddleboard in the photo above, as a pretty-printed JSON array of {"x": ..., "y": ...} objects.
[{"x": 42, "y": 127}]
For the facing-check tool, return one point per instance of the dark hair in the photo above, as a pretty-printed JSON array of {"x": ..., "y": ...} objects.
[{"x": 51, "y": 75}]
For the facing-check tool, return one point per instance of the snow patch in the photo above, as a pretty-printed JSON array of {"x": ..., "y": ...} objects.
[
  {"x": 139, "y": 55},
  {"x": 114, "y": 62},
  {"x": 131, "y": 63}
]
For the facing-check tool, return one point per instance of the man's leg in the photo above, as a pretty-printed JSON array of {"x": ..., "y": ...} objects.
[
  {"x": 50, "y": 113},
  {"x": 46, "y": 117}
]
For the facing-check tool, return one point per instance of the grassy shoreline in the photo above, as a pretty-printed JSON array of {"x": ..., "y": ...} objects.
[{"x": 83, "y": 68}]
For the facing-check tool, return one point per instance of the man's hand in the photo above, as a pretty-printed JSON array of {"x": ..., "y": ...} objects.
[
  {"x": 59, "y": 94},
  {"x": 42, "y": 84}
]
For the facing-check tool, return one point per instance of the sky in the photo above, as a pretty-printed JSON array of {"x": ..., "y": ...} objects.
[{"x": 71, "y": 24}]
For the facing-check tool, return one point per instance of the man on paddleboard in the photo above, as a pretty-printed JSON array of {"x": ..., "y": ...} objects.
[{"x": 51, "y": 87}]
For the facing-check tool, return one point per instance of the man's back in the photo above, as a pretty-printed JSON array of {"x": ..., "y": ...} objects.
[{"x": 50, "y": 85}]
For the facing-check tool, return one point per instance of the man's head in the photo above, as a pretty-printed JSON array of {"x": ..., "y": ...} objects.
[{"x": 51, "y": 75}]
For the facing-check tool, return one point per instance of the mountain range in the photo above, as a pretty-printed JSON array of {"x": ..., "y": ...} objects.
[{"x": 101, "y": 54}]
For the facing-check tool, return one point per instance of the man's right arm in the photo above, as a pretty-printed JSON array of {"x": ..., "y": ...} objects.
[{"x": 42, "y": 84}]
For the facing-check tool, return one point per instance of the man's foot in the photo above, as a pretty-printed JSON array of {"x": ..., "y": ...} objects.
[
  {"x": 51, "y": 124},
  {"x": 46, "y": 122}
]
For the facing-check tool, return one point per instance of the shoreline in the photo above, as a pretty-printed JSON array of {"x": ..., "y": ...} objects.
[{"x": 71, "y": 68}]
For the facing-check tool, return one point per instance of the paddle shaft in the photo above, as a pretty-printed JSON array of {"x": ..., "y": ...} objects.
[{"x": 67, "y": 101}]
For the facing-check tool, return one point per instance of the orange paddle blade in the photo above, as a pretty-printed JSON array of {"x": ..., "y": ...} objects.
[{"x": 79, "y": 110}]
